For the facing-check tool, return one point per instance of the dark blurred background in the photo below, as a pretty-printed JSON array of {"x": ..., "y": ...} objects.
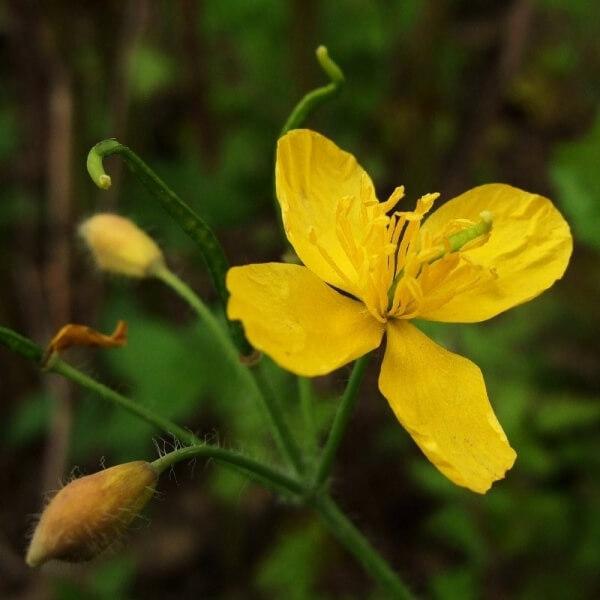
[{"x": 440, "y": 96}]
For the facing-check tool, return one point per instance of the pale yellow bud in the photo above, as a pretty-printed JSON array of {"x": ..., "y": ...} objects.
[
  {"x": 91, "y": 513},
  {"x": 120, "y": 246}
]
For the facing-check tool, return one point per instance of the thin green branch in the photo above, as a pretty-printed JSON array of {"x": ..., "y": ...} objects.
[
  {"x": 204, "y": 313},
  {"x": 244, "y": 463},
  {"x": 356, "y": 543},
  {"x": 21, "y": 345},
  {"x": 63, "y": 368},
  {"x": 254, "y": 379},
  {"x": 210, "y": 248},
  {"x": 342, "y": 417},
  {"x": 255, "y": 469},
  {"x": 305, "y": 107},
  {"x": 311, "y": 101},
  {"x": 286, "y": 439},
  {"x": 341, "y": 527},
  {"x": 307, "y": 407}
]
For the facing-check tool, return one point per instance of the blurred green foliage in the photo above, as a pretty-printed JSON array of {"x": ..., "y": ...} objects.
[
  {"x": 575, "y": 174},
  {"x": 418, "y": 75}
]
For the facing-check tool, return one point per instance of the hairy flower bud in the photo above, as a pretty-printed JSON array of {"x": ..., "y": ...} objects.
[
  {"x": 91, "y": 513},
  {"x": 120, "y": 246}
]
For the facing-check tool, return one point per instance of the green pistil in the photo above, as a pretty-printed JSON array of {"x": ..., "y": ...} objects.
[
  {"x": 461, "y": 238},
  {"x": 455, "y": 243}
]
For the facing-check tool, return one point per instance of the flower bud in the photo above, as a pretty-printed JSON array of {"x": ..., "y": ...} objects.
[
  {"x": 91, "y": 513},
  {"x": 120, "y": 246}
]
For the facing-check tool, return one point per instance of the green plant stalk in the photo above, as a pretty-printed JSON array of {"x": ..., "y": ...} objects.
[
  {"x": 311, "y": 101},
  {"x": 210, "y": 248},
  {"x": 356, "y": 543},
  {"x": 341, "y": 527},
  {"x": 261, "y": 471},
  {"x": 255, "y": 380},
  {"x": 26, "y": 348},
  {"x": 305, "y": 395},
  {"x": 307, "y": 105},
  {"x": 340, "y": 422}
]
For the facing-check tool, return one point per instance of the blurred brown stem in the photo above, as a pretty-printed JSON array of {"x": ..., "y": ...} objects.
[{"x": 57, "y": 250}]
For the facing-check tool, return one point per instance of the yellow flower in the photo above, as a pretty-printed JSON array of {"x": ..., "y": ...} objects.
[
  {"x": 91, "y": 513},
  {"x": 479, "y": 254},
  {"x": 120, "y": 246}
]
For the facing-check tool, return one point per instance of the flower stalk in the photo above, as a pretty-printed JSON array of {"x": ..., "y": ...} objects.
[
  {"x": 356, "y": 543},
  {"x": 311, "y": 101},
  {"x": 210, "y": 248},
  {"x": 341, "y": 527},
  {"x": 254, "y": 378},
  {"x": 306, "y": 398},
  {"x": 341, "y": 420},
  {"x": 29, "y": 350},
  {"x": 256, "y": 469}
]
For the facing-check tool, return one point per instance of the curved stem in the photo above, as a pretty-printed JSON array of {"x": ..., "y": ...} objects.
[
  {"x": 314, "y": 99},
  {"x": 306, "y": 106},
  {"x": 342, "y": 417},
  {"x": 63, "y": 368},
  {"x": 356, "y": 543},
  {"x": 343, "y": 529},
  {"x": 210, "y": 248},
  {"x": 249, "y": 466},
  {"x": 256, "y": 380},
  {"x": 252, "y": 467},
  {"x": 184, "y": 291}
]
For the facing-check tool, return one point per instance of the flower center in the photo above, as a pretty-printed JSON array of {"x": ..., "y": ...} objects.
[{"x": 415, "y": 255}]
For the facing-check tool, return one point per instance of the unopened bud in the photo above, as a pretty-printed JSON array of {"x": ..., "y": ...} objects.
[
  {"x": 120, "y": 246},
  {"x": 91, "y": 513}
]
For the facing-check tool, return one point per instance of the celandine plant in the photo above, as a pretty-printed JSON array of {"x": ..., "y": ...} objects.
[{"x": 368, "y": 270}]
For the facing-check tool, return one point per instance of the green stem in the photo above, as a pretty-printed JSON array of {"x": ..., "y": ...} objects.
[
  {"x": 257, "y": 470},
  {"x": 356, "y": 543},
  {"x": 311, "y": 101},
  {"x": 287, "y": 442},
  {"x": 343, "y": 529},
  {"x": 184, "y": 291},
  {"x": 254, "y": 468},
  {"x": 305, "y": 394},
  {"x": 258, "y": 383},
  {"x": 63, "y": 368},
  {"x": 210, "y": 248},
  {"x": 21, "y": 345},
  {"x": 307, "y": 105},
  {"x": 340, "y": 422}
]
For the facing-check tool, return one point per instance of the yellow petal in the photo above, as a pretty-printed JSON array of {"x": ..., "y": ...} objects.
[
  {"x": 81, "y": 335},
  {"x": 528, "y": 250},
  {"x": 316, "y": 181},
  {"x": 120, "y": 246},
  {"x": 440, "y": 398},
  {"x": 298, "y": 320}
]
